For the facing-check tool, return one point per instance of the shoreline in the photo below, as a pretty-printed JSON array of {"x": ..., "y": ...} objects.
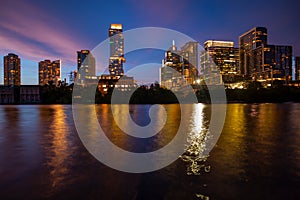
[{"x": 228, "y": 102}]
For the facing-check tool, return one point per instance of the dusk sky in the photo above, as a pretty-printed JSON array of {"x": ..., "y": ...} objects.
[{"x": 56, "y": 29}]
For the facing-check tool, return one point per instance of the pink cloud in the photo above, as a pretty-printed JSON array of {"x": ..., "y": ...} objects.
[{"x": 27, "y": 30}]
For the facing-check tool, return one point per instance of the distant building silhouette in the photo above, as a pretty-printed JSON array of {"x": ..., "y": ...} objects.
[
  {"x": 297, "y": 68},
  {"x": 49, "y": 72},
  {"x": 116, "y": 41},
  {"x": 12, "y": 70}
]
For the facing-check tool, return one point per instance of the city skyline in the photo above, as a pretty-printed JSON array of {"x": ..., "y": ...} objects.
[{"x": 28, "y": 36}]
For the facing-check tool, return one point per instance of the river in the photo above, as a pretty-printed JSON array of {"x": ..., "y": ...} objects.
[{"x": 256, "y": 157}]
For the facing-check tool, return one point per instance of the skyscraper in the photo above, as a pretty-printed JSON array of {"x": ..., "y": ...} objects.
[
  {"x": 49, "y": 72},
  {"x": 220, "y": 57},
  {"x": 190, "y": 54},
  {"x": 248, "y": 43},
  {"x": 171, "y": 72},
  {"x": 277, "y": 62},
  {"x": 116, "y": 40},
  {"x": 12, "y": 70},
  {"x": 86, "y": 64},
  {"x": 261, "y": 61},
  {"x": 180, "y": 66}
]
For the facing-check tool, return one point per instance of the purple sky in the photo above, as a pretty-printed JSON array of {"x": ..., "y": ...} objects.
[{"x": 38, "y": 30}]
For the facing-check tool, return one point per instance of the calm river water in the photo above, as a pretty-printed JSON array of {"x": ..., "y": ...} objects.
[{"x": 257, "y": 155}]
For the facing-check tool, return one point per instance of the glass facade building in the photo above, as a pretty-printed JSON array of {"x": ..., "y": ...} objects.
[
  {"x": 116, "y": 41},
  {"x": 263, "y": 62},
  {"x": 180, "y": 67},
  {"x": 190, "y": 56},
  {"x": 249, "y": 42},
  {"x": 86, "y": 65},
  {"x": 277, "y": 62},
  {"x": 220, "y": 57}
]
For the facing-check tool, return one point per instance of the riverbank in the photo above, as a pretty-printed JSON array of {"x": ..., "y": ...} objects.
[{"x": 159, "y": 95}]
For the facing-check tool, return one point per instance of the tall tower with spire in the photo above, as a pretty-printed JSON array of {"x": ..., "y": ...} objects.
[
  {"x": 173, "y": 48},
  {"x": 179, "y": 67}
]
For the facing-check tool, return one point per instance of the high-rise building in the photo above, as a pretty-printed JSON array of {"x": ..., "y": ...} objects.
[
  {"x": 272, "y": 62},
  {"x": 220, "y": 57},
  {"x": 190, "y": 55},
  {"x": 248, "y": 43},
  {"x": 86, "y": 64},
  {"x": 261, "y": 61},
  {"x": 297, "y": 68},
  {"x": 172, "y": 69},
  {"x": 116, "y": 41},
  {"x": 49, "y": 72},
  {"x": 12, "y": 70},
  {"x": 180, "y": 66},
  {"x": 277, "y": 59}
]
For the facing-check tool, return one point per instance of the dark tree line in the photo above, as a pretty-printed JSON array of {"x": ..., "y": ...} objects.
[
  {"x": 60, "y": 94},
  {"x": 255, "y": 93}
]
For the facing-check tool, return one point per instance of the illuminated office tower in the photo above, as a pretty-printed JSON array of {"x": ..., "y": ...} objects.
[
  {"x": 276, "y": 62},
  {"x": 263, "y": 62},
  {"x": 171, "y": 72},
  {"x": 116, "y": 41},
  {"x": 179, "y": 67},
  {"x": 249, "y": 42},
  {"x": 190, "y": 55},
  {"x": 49, "y": 72},
  {"x": 220, "y": 57},
  {"x": 12, "y": 70},
  {"x": 190, "y": 52},
  {"x": 271, "y": 62},
  {"x": 86, "y": 64}
]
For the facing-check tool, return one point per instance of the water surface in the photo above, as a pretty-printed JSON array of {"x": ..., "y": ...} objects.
[{"x": 256, "y": 157}]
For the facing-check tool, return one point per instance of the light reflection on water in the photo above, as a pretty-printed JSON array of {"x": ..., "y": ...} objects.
[
  {"x": 58, "y": 152},
  {"x": 256, "y": 157},
  {"x": 196, "y": 143}
]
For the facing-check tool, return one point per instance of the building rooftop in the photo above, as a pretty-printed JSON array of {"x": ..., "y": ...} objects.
[
  {"x": 216, "y": 43},
  {"x": 116, "y": 26}
]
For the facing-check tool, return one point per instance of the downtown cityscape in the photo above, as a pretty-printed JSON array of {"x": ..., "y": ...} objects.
[
  {"x": 149, "y": 100},
  {"x": 220, "y": 62}
]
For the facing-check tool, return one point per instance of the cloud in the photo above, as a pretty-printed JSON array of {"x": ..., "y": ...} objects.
[{"x": 30, "y": 32}]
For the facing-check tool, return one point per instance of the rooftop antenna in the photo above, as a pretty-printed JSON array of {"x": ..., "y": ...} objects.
[{"x": 173, "y": 45}]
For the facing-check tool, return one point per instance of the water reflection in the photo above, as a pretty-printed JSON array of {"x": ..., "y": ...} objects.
[
  {"x": 140, "y": 115},
  {"x": 10, "y": 117},
  {"x": 256, "y": 157},
  {"x": 196, "y": 143},
  {"x": 56, "y": 145}
]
